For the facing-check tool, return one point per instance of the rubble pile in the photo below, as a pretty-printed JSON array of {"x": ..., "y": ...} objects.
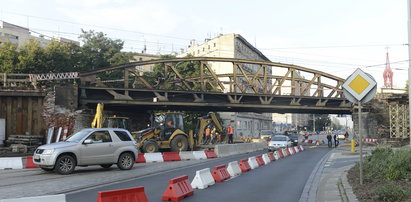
[{"x": 56, "y": 116}]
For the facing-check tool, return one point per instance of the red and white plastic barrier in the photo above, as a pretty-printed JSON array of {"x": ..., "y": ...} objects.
[
  {"x": 140, "y": 158},
  {"x": 199, "y": 155},
  {"x": 234, "y": 169},
  {"x": 220, "y": 173},
  {"x": 252, "y": 162},
  {"x": 271, "y": 156},
  {"x": 260, "y": 160},
  {"x": 266, "y": 159},
  {"x": 290, "y": 150},
  {"x": 153, "y": 157},
  {"x": 171, "y": 156},
  {"x": 178, "y": 188},
  {"x": 130, "y": 194},
  {"x": 202, "y": 179},
  {"x": 369, "y": 140},
  {"x": 244, "y": 166},
  {"x": 187, "y": 155}
]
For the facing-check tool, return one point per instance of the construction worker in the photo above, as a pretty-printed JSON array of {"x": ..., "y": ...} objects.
[
  {"x": 170, "y": 124},
  {"x": 230, "y": 133},
  {"x": 218, "y": 137},
  {"x": 207, "y": 134}
]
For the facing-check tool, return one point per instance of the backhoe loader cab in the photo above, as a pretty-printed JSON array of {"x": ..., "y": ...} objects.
[{"x": 116, "y": 122}]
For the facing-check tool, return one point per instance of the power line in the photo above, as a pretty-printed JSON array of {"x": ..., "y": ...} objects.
[
  {"x": 335, "y": 46},
  {"x": 123, "y": 39},
  {"x": 401, "y": 61},
  {"x": 97, "y": 26}
]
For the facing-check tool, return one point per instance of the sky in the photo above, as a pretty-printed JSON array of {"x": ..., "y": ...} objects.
[{"x": 333, "y": 36}]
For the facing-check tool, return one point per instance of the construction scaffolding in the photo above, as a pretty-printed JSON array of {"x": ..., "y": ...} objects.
[{"x": 399, "y": 120}]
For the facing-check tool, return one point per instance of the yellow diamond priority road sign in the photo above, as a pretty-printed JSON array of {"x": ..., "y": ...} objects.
[{"x": 358, "y": 85}]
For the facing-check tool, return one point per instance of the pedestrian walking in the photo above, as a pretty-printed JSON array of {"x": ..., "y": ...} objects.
[
  {"x": 230, "y": 133},
  {"x": 336, "y": 141},
  {"x": 330, "y": 143}
]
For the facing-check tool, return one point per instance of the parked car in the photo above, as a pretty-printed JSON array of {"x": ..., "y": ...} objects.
[
  {"x": 278, "y": 142},
  {"x": 90, "y": 146}
]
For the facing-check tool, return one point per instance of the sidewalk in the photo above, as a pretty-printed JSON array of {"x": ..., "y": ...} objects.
[
  {"x": 334, "y": 184},
  {"x": 328, "y": 181}
]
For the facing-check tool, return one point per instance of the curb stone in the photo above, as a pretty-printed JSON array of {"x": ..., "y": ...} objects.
[
  {"x": 346, "y": 187},
  {"x": 311, "y": 186}
]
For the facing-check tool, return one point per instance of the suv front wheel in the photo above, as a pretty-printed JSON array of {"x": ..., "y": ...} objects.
[
  {"x": 125, "y": 161},
  {"x": 65, "y": 165}
]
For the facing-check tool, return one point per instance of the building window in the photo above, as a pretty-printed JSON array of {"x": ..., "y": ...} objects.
[
  {"x": 203, "y": 49},
  {"x": 214, "y": 45},
  {"x": 198, "y": 51},
  {"x": 208, "y": 47},
  {"x": 11, "y": 36}
]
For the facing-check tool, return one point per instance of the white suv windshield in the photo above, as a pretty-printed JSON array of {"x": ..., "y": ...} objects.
[{"x": 77, "y": 137}]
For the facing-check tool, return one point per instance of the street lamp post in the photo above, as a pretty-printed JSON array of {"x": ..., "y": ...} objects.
[{"x": 314, "y": 123}]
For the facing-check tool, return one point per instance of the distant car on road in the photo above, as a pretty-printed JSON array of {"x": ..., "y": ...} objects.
[
  {"x": 90, "y": 146},
  {"x": 279, "y": 142},
  {"x": 266, "y": 135},
  {"x": 293, "y": 135},
  {"x": 341, "y": 137}
]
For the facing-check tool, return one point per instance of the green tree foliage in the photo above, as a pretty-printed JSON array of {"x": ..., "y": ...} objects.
[
  {"x": 98, "y": 51},
  {"x": 31, "y": 58},
  {"x": 321, "y": 121},
  {"x": 61, "y": 57},
  {"x": 8, "y": 57}
]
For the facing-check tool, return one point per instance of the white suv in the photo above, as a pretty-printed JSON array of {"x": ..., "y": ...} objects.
[{"x": 90, "y": 146}]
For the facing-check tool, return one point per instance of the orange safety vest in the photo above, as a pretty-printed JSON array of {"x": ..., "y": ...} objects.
[
  {"x": 207, "y": 131},
  {"x": 230, "y": 130}
]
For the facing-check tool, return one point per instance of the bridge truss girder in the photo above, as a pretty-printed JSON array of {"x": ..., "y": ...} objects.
[{"x": 249, "y": 86}]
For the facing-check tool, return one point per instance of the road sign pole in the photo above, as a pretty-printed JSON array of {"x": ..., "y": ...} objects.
[
  {"x": 360, "y": 135},
  {"x": 360, "y": 88}
]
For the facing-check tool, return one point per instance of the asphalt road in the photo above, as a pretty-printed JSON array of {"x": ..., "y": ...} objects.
[{"x": 283, "y": 180}]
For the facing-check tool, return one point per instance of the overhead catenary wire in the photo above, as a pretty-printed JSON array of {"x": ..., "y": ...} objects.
[{"x": 97, "y": 26}]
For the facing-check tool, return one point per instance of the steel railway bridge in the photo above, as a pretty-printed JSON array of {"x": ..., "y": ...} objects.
[{"x": 218, "y": 84}]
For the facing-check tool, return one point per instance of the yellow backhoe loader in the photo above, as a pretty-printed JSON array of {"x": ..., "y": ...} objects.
[
  {"x": 100, "y": 121},
  {"x": 168, "y": 132}
]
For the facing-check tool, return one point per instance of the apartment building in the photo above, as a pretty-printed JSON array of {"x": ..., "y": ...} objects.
[
  {"x": 143, "y": 57},
  {"x": 19, "y": 35},
  {"x": 234, "y": 46}
]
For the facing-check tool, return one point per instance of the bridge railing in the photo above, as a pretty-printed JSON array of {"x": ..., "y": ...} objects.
[{"x": 31, "y": 80}]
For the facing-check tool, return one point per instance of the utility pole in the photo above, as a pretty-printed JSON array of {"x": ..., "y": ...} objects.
[{"x": 409, "y": 63}]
